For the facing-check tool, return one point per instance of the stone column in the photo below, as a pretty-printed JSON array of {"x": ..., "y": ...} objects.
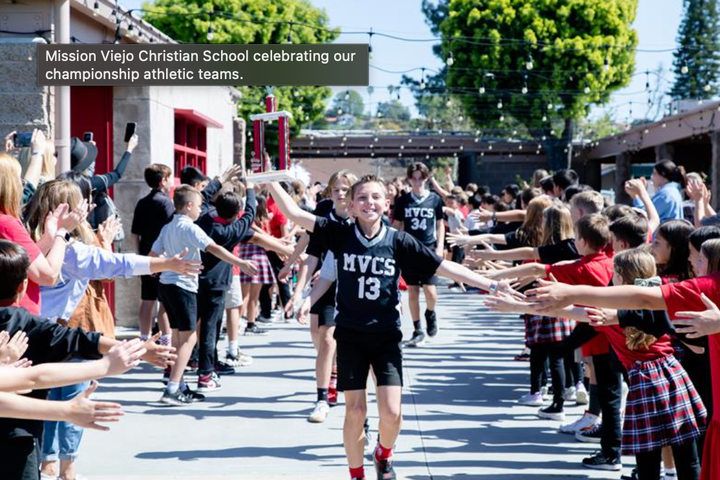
[
  {"x": 715, "y": 169},
  {"x": 623, "y": 163},
  {"x": 664, "y": 151}
]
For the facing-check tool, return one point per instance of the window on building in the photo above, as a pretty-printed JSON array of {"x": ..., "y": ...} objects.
[{"x": 190, "y": 143}]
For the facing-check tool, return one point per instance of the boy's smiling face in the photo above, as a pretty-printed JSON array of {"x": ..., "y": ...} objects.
[{"x": 369, "y": 203}]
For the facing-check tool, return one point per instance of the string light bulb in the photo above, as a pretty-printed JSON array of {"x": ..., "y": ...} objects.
[
  {"x": 450, "y": 60},
  {"x": 96, "y": 8},
  {"x": 481, "y": 90},
  {"x": 210, "y": 33},
  {"x": 684, "y": 69},
  {"x": 529, "y": 64},
  {"x": 500, "y": 105},
  {"x": 347, "y": 94},
  {"x": 587, "y": 90},
  {"x": 524, "y": 89},
  {"x": 606, "y": 65}
]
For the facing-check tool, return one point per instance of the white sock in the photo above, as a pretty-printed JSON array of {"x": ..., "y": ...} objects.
[
  {"x": 166, "y": 340},
  {"x": 233, "y": 347},
  {"x": 173, "y": 387},
  {"x": 144, "y": 337}
]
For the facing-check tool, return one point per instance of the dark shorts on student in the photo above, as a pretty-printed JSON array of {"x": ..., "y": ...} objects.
[
  {"x": 324, "y": 308},
  {"x": 418, "y": 279},
  {"x": 180, "y": 305},
  {"x": 357, "y": 351},
  {"x": 149, "y": 287}
]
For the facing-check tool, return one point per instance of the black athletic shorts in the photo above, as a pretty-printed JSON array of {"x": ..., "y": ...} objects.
[
  {"x": 417, "y": 279},
  {"x": 358, "y": 351},
  {"x": 180, "y": 305},
  {"x": 324, "y": 308},
  {"x": 149, "y": 287}
]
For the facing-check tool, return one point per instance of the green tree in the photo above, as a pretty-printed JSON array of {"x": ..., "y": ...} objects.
[
  {"x": 350, "y": 102},
  {"x": 394, "y": 111},
  {"x": 540, "y": 63},
  {"x": 252, "y": 21},
  {"x": 697, "y": 60}
]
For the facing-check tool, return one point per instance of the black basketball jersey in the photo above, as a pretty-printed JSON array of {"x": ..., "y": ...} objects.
[
  {"x": 368, "y": 270},
  {"x": 420, "y": 216}
]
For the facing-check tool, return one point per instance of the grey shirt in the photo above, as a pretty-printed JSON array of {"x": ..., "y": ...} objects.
[{"x": 176, "y": 236}]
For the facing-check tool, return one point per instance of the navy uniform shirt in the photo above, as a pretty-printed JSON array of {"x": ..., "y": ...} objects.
[
  {"x": 420, "y": 216},
  {"x": 152, "y": 213},
  {"x": 368, "y": 271}
]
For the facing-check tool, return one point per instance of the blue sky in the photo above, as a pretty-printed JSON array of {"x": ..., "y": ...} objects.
[{"x": 657, "y": 23}]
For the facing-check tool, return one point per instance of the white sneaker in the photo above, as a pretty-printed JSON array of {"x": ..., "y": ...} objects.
[
  {"x": 238, "y": 359},
  {"x": 320, "y": 413},
  {"x": 531, "y": 399},
  {"x": 581, "y": 394},
  {"x": 570, "y": 394},
  {"x": 545, "y": 392},
  {"x": 587, "y": 420}
]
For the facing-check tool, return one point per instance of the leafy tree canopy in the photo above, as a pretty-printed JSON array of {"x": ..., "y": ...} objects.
[
  {"x": 564, "y": 54},
  {"x": 252, "y": 21}
]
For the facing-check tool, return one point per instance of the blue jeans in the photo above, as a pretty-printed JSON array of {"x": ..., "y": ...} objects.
[{"x": 61, "y": 440}]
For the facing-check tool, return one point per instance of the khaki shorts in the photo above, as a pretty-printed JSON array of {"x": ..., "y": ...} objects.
[{"x": 234, "y": 298}]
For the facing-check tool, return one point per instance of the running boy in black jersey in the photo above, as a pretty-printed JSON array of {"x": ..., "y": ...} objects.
[
  {"x": 369, "y": 257},
  {"x": 420, "y": 213}
]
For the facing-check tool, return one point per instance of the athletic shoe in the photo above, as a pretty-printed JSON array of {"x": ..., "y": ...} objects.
[
  {"x": 531, "y": 400},
  {"x": 545, "y": 392},
  {"x": 192, "y": 366},
  {"x": 222, "y": 368},
  {"x": 553, "y": 412},
  {"x": 320, "y": 412},
  {"x": 262, "y": 319},
  {"x": 590, "y": 434},
  {"x": 166, "y": 375},
  {"x": 599, "y": 461},
  {"x": 238, "y": 359},
  {"x": 384, "y": 469},
  {"x": 570, "y": 394},
  {"x": 193, "y": 395},
  {"x": 581, "y": 394},
  {"x": 177, "y": 399},
  {"x": 670, "y": 474},
  {"x": 588, "y": 420},
  {"x": 332, "y": 396},
  {"x": 417, "y": 340},
  {"x": 524, "y": 356},
  {"x": 208, "y": 383},
  {"x": 633, "y": 475},
  {"x": 432, "y": 323},
  {"x": 253, "y": 329},
  {"x": 368, "y": 437}
]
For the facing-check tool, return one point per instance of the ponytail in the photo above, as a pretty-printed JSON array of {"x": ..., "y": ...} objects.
[{"x": 672, "y": 172}]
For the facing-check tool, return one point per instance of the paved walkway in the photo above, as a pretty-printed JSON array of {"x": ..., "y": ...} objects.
[{"x": 460, "y": 418}]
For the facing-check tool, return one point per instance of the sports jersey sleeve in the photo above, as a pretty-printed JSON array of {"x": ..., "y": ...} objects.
[
  {"x": 326, "y": 233},
  {"x": 414, "y": 256}
]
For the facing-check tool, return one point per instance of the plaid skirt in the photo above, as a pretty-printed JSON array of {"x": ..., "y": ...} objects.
[
  {"x": 663, "y": 407},
  {"x": 250, "y": 251},
  {"x": 540, "y": 329}
]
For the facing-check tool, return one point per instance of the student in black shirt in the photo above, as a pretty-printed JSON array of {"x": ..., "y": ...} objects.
[
  {"x": 369, "y": 259},
  {"x": 152, "y": 213},
  {"x": 420, "y": 213},
  {"x": 47, "y": 342}
]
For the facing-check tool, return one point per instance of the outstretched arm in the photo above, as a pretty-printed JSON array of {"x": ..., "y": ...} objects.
[
  {"x": 290, "y": 209},
  {"x": 461, "y": 274},
  {"x": 552, "y": 296},
  {"x": 522, "y": 253}
]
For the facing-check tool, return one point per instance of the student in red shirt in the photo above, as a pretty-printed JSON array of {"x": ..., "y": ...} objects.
[
  {"x": 663, "y": 406},
  {"x": 700, "y": 294},
  {"x": 46, "y": 257},
  {"x": 592, "y": 236}
]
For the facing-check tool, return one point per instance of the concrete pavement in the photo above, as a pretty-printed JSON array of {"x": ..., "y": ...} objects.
[{"x": 461, "y": 421}]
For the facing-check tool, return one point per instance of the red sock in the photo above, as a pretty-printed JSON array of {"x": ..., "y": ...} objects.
[
  {"x": 358, "y": 472},
  {"x": 382, "y": 453}
]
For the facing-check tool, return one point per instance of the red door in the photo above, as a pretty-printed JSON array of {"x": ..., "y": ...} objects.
[{"x": 91, "y": 110}]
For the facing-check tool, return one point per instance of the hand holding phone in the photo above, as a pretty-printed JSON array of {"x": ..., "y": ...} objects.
[{"x": 130, "y": 131}]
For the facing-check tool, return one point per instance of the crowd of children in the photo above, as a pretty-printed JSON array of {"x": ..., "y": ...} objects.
[{"x": 618, "y": 303}]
